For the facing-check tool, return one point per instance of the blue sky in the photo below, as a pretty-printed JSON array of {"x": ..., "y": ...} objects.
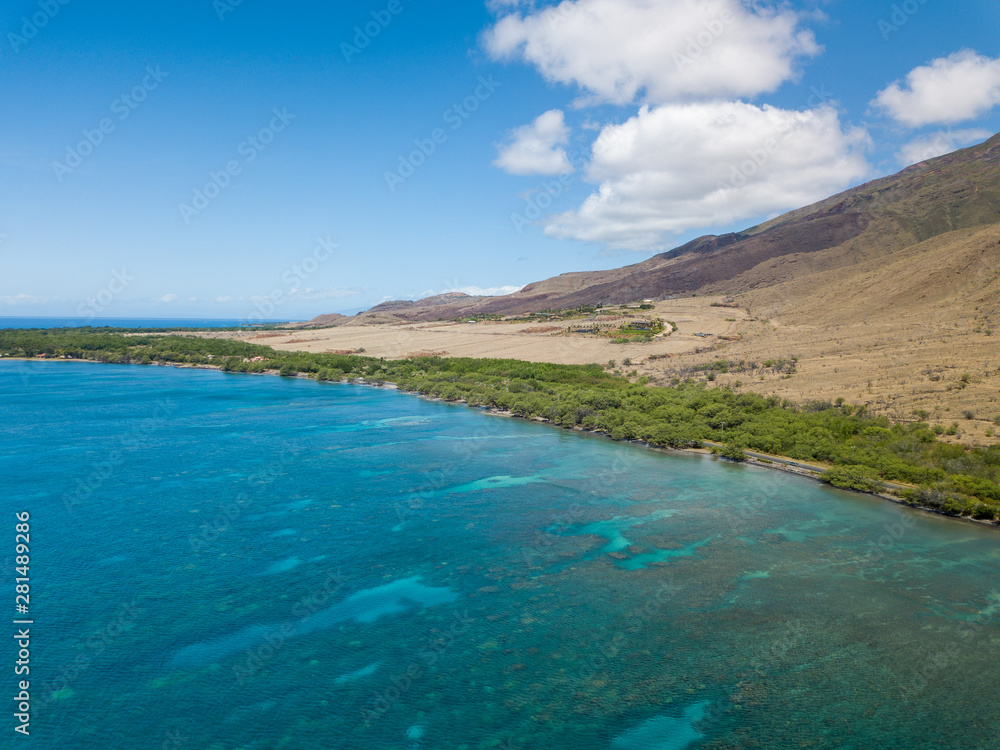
[{"x": 231, "y": 159}]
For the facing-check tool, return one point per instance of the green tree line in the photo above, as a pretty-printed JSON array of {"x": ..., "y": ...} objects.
[{"x": 863, "y": 449}]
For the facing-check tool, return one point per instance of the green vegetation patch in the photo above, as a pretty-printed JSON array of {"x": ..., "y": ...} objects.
[
  {"x": 864, "y": 450},
  {"x": 861, "y": 478}
]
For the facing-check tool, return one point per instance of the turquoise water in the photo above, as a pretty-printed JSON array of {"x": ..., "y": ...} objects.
[{"x": 224, "y": 562}]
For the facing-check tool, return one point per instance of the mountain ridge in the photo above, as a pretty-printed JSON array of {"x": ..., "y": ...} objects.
[{"x": 956, "y": 191}]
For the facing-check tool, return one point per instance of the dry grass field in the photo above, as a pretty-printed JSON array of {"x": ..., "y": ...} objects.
[
  {"x": 902, "y": 332},
  {"x": 935, "y": 360},
  {"x": 533, "y": 342},
  {"x": 887, "y": 296},
  {"x": 918, "y": 330}
]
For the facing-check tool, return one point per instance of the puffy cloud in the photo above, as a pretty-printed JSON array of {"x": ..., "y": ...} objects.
[
  {"x": 668, "y": 49},
  {"x": 680, "y": 167},
  {"x": 937, "y": 144},
  {"x": 950, "y": 89},
  {"x": 169, "y": 298},
  {"x": 538, "y": 148}
]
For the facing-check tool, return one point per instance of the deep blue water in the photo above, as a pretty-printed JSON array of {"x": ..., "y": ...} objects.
[
  {"x": 26, "y": 322},
  {"x": 228, "y": 562}
]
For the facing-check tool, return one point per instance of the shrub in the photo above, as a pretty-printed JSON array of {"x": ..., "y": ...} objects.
[
  {"x": 984, "y": 512},
  {"x": 860, "y": 478}
]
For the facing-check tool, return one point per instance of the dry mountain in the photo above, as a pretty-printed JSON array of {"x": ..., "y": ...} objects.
[{"x": 882, "y": 218}]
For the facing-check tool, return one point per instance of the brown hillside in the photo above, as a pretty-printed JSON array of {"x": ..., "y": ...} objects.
[
  {"x": 932, "y": 199},
  {"x": 886, "y": 295}
]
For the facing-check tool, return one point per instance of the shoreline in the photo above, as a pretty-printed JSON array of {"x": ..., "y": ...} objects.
[{"x": 753, "y": 460}]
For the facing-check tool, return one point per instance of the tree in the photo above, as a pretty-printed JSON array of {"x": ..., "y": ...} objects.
[{"x": 733, "y": 450}]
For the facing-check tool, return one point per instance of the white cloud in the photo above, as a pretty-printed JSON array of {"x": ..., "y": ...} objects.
[
  {"x": 615, "y": 49},
  {"x": 490, "y": 291},
  {"x": 498, "y": 6},
  {"x": 19, "y": 299},
  {"x": 931, "y": 145},
  {"x": 477, "y": 291},
  {"x": 950, "y": 89},
  {"x": 334, "y": 292},
  {"x": 306, "y": 295},
  {"x": 169, "y": 298},
  {"x": 680, "y": 167},
  {"x": 538, "y": 148}
]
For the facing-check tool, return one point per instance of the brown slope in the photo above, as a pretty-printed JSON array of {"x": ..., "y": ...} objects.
[
  {"x": 320, "y": 321},
  {"x": 956, "y": 191},
  {"x": 917, "y": 329},
  {"x": 958, "y": 272}
]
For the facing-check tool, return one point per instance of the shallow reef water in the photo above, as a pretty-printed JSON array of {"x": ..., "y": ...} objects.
[{"x": 224, "y": 562}]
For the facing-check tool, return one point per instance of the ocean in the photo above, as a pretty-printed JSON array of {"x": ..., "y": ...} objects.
[
  {"x": 236, "y": 562},
  {"x": 56, "y": 322}
]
